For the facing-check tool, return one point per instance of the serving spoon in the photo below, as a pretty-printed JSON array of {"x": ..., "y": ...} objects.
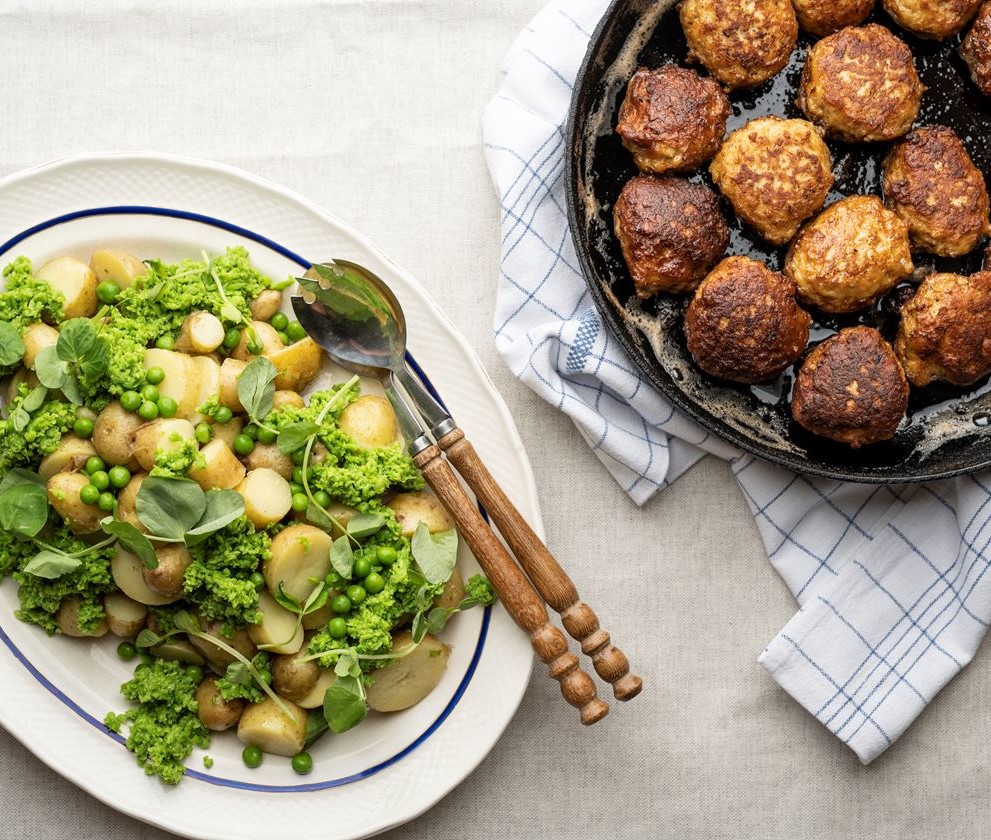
[{"x": 359, "y": 322}]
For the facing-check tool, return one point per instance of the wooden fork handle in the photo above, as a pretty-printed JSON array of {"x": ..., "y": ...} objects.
[
  {"x": 551, "y": 581},
  {"x": 517, "y": 594}
]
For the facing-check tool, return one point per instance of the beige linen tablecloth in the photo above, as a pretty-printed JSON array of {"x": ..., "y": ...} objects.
[{"x": 372, "y": 110}]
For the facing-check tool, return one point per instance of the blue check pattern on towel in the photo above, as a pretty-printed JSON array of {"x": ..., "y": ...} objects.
[{"x": 892, "y": 582}]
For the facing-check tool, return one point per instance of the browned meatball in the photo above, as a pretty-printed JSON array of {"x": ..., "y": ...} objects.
[
  {"x": 670, "y": 232},
  {"x": 672, "y": 119},
  {"x": 823, "y": 17},
  {"x": 945, "y": 331},
  {"x": 861, "y": 85},
  {"x": 851, "y": 254},
  {"x": 976, "y": 49},
  {"x": 932, "y": 184},
  {"x": 741, "y": 43},
  {"x": 937, "y": 19},
  {"x": 776, "y": 173},
  {"x": 744, "y": 324},
  {"x": 851, "y": 389}
]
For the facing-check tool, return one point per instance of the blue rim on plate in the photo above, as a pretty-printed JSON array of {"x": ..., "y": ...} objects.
[{"x": 61, "y": 696}]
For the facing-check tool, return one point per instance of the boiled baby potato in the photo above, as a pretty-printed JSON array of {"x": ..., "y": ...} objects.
[
  {"x": 69, "y": 456},
  {"x": 314, "y": 698},
  {"x": 178, "y": 650},
  {"x": 26, "y": 377},
  {"x": 297, "y": 365},
  {"x": 278, "y": 630},
  {"x": 77, "y": 283},
  {"x": 166, "y": 578},
  {"x": 266, "y": 726},
  {"x": 125, "y": 616},
  {"x": 37, "y": 337},
  {"x": 300, "y": 554},
  {"x": 230, "y": 372},
  {"x": 126, "y": 570},
  {"x": 266, "y": 335},
  {"x": 267, "y": 497},
  {"x": 266, "y": 304},
  {"x": 117, "y": 266},
  {"x": 63, "y": 494},
  {"x": 293, "y": 679},
  {"x": 228, "y": 431},
  {"x": 285, "y": 399},
  {"x": 182, "y": 381},
  {"x": 160, "y": 436},
  {"x": 208, "y": 373},
  {"x": 404, "y": 682},
  {"x": 370, "y": 422},
  {"x": 67, "y": 618},
  {"x": 112, "y": 434},
  {"x": 221, "y": 469},
  {"x": 269, "y": 456},
  {"x": 216, "y": 656},
  {"x": 453, "y": 593},
  {"x": 127, "y": 502},
  {"x": 413, "y": 508},
  {"x": 201, "y": 332},
  {"x": 216, "y": 713}
]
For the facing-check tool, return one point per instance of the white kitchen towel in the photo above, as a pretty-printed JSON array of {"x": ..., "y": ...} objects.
[{"x": 891, "y": 581}]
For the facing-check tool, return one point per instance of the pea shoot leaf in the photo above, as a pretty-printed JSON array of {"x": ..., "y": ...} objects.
[
  {"x": 284, "y": 599},
  {"x": 238, "y": 673},
  {"x": 35, "y": 398},
  {"x": 435, "y": 554},
  {"x": 344, "y": 704},
  {"x": 132, "y": 540},
  {"x": 51, "y": 565},
  {"x": 11, "y": 344},
  {"x": 222, "y": 508},
  {"x": 256, "y": 388},
  {"x": 316, "y": 726},
  {"x": 342, "y": 557},
  {"x": 365, "y": 524},
  {"x": 51, "y": 370},
  {"x": 188, "y": 623},
  {"x": 148, "y": 639},
  {"x": 295, "y": 436},
  {"x": 319, "y": 517},
  {"x": 23, "y": 503},
  {"x": 80, "y": 345},
  {"x": 170, "y": 507}
]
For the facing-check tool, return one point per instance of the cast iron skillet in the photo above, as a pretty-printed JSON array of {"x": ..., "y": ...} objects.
[{"x": 946, "y": 432}]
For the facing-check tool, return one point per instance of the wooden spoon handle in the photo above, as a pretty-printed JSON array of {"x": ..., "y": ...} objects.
[
  {"x": 551, "y": 581},
  {"x": 517, "y": 594}
]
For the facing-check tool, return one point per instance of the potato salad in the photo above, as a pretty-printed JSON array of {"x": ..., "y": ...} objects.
[{"x": 264, "y": 550}]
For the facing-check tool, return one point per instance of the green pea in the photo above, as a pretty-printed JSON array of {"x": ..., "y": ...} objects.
[
  {"x": 83, "y": 427},
  {"x": 243, "y": 445},
  {"x": 266, "y": 435},
  {"x": 195, "y": 673},
  {"x": 167, "y": 407},
  {"x": 130, "y": 400},
  {"x": 322, "y": 498},
  {"x": 107, "y": 292},
  {"x": 165, "y": 342},
  {"x": 94, "y": 464},
  {"x": 126, "y": 651},
  {"x": 100, "y": 479},
  {"x": 295, "y": 488},
  {"x": 251, "y": 756},
  {"x": 362, "y": 567},
  {"x": 119, "y": 476},
  {"x": 337, "y": 628},
  {"x": 204, "y": 432},
  {"x": 386, "y": 555},
  {"x": 284, "y": 337},
  {"x": 295, "y": 330},
  {"x": 149, "y": 393},
  {"x": 341, "y": 604},
  {"x": 356, "y": 594},
  {"x": 256, "y": 580},
  {"x": 155, "y": 375},
  {"x": 300, "y": 502},
  {"x": 251, "y": 430},
  {"x": 297, "y": 476},
  {"x": 106, "y": 502},
  {"x": 255, "y": 347},
  {"x": 232, "y": 338},
  {"x": 374, "y": 583},
  {"x": 148, "y": 410},
  {"x": 89, "y": 495},
  {"x": 223, "y": 415},
  {"x": 298, "y": 456},
  {"x": 280, "y": 320},
  {"x": 302, "y": 763}
]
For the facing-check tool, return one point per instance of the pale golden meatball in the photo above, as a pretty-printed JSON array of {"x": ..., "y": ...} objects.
[
  {"x": 851, "y": 389},
  {"x": 937, "y": 19},
  {"x": 670, "y": 232},
  {"x": 672, "y": 119},
  {"x": 851, "y": 254},
  {"x": 776, "y": 173},
  {"x": 741, "y": 42},
  {"x": 744, "y": 324},
  {"x": 823, "y": 17},
  {"x": 975, "y": 49},
  {"x": 945, "y": 330},
  {"x": 861, "y": 85},
  {"x": 932, "y": 184}
]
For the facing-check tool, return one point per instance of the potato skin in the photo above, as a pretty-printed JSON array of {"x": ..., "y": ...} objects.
[
  {"x": 230, "y": 371},
  {"x": 63, "y": 495},
  {"x": 216, "y": 713},
  {"x": 125, "y": 616},
  {"x": 112, "y": 434},
  {"x": 37, "y": 337},
  {"x": 672, "y": 119},
  {"x": 216, "y": 657},
  {"x": 71, "y": 454},
  {"x": 158, "y": 435},
  {"x": 221, "y": 469},
  {"x": 266, "y": 726},
  {"x": 406, "y": 681},
  {"x": 67, "y": 618},
  {"x": 851, "y": 389},
  {"x": 454, "y": 591},
  {"x": 76, "y": 281},
  {"x": 126, "y": 570},
  {"x": 370, "y": 422},
  {"x": 266, "y": 304},
  {"x": 937, "y": 19},
  {"x": 269, "y": 456},
  {"x": 932, "y": 184},
  {"x": 412, "y": 508},
  {"x": 127, "y": 502},
  {"x": 297, "y": 365},
  {"x": 670, "y": 232},
  {"x": 975, "y": 50},
  {"x": 824, "y": 17},
  {"x": 117, "y": 266},
  {"x": 293, "y": 679},
  {"x": 266, "y": 334},
  {"x": 166, "y": 578},
  {"x": 284, "y": 399}
]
